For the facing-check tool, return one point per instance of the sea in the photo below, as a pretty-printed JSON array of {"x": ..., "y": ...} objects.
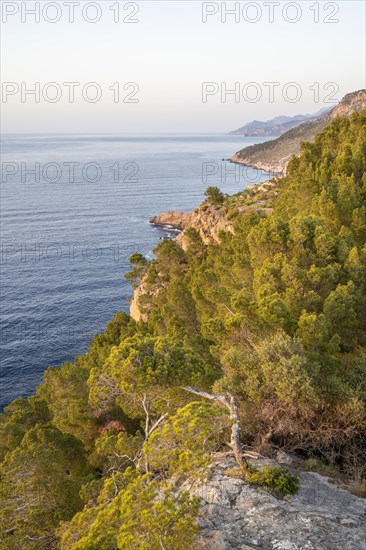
[{"x": 73, "y": 210}]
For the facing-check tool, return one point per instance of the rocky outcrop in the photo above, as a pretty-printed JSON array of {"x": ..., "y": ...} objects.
[
  {"x": 235, "y": 515},
  {"x": 351, "y": 103},
  {"x": 176, "y": 220},
  {"x": 207, "y": 220},
  {"x": 135, "y": 311},
  {"x": 274, "y": 155}
]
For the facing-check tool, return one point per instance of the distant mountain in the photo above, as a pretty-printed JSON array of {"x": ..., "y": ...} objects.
[
  {"x": 274, "y": 155},
  {"x": 276, "y": 126}
]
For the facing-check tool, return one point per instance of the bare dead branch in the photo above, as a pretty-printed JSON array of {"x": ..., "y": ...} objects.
[{"x": 230, "y": 403}]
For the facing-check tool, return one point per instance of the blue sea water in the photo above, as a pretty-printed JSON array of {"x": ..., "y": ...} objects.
[{"x": 73, "y": 210}]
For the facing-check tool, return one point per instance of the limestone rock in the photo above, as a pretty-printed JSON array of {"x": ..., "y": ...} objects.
[
  {"x": 207, "y": 220},
  {"x": 235, "y": 515},
  {"x": 135, "y": 311},
  {"x": 178, "y": 220}
]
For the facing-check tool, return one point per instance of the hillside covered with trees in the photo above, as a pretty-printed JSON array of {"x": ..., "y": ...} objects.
[
  {"x": 274, "y": 315},
  {"x": 274, "y": 155}
]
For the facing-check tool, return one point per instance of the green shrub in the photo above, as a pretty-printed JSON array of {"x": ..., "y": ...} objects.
[
  {"x": 275, "y": 480},
  {"x": 214, "y": 196}
]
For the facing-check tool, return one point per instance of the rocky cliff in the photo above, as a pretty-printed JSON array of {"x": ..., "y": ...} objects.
[
  {"x": 135, "y": 310},
  {"x": 274, "y": 155},
  {"x": 207, "y": 220},
  {"x": 237, "y": 516},
  {"x": 177, "y": 220}
]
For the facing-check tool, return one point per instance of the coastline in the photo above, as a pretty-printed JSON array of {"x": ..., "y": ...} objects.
[{"x": 273, "y": 169}]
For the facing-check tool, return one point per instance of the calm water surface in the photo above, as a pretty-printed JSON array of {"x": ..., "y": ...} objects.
[{"x": 74, "y": 208}]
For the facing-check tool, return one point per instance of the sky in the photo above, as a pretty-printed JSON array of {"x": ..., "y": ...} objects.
[{"x": 169, "y": 66}]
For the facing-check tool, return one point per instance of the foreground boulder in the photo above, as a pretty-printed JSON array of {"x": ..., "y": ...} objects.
[{"x": 235, "y": 515}]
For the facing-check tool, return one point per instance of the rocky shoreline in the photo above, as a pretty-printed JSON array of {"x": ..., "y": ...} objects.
[
  {"x": 207, "y": 220},
  {"x": 273, "y": 168},
  {"x": 172, "y": 220}
]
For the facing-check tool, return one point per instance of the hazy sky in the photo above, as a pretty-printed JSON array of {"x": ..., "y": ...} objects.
[{"x": 169, "y": 53}]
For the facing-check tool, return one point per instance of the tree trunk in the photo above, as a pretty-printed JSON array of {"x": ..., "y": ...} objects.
[
  {"x": 230, "y": 403},
  {"x": 148, "y": 431}
]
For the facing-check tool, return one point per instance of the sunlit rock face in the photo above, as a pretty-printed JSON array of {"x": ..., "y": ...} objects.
[
  {"x": 208, "y": 220},
  {"x": 235, "y": 515}
]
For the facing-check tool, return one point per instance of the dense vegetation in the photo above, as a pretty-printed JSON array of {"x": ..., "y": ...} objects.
[{"x": 274, "y": 314}]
